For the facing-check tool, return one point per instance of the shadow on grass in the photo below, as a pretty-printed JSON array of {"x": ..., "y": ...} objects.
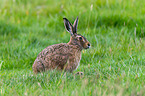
[
  {"x": 118, "y": 21},
  {"x": 8, "y": 29}
]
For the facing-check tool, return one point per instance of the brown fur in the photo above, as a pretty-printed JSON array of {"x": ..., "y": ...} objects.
[{"x": 64, "y": 56}]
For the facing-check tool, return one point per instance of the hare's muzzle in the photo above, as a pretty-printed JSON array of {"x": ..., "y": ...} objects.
[{"x": 88, "y": 45}]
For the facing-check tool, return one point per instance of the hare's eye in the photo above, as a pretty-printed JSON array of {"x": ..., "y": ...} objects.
[{"x": 80, "y": 38}]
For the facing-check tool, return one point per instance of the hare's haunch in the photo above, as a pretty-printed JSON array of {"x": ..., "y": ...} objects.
[{"x": 64, "y": 56}]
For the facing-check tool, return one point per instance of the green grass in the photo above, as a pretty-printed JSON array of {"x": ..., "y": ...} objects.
[{"x": 114, "y": 65}]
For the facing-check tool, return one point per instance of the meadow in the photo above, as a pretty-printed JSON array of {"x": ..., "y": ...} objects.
[{"x": 113, "y": 66}]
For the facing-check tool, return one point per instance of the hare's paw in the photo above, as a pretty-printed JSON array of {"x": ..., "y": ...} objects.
[{"x": 79, "y": 73}]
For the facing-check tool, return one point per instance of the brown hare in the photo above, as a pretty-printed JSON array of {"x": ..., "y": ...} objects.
[{"x": 64, "y": 56}]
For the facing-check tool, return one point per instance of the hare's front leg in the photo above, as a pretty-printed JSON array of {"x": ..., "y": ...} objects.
[{"x": 71, "y": 65}]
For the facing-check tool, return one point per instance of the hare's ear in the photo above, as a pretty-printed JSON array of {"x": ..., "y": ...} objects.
[
  {"x": 75, "y": 25},
  {"x": 68, "y": 26}
]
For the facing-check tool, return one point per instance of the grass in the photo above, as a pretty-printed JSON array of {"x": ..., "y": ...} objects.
[{"x": 115, "y": 64}]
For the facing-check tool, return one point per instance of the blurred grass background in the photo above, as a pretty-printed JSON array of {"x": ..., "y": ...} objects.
[{"x": 115, "y": 64}]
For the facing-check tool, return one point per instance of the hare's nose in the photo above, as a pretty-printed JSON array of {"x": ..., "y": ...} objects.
[{"x": 89, "y": 44}]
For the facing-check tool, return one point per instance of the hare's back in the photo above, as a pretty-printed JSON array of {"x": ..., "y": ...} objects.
[{"x": 53, "y": 50}]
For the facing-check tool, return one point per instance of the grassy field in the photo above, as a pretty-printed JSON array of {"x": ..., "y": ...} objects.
[{"x": 114, "y": 65}]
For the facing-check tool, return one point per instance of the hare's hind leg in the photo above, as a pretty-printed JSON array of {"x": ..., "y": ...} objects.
[{"x": 38, "y": 67}]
